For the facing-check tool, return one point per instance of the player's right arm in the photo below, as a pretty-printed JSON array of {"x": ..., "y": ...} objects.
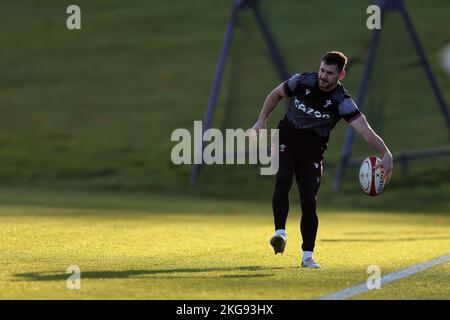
[
  {"x": 363, "y": 128},
  {"x": 272, "y": 101}
]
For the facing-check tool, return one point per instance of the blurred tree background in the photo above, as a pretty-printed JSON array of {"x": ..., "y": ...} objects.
[{"x": 94, "y": 108}]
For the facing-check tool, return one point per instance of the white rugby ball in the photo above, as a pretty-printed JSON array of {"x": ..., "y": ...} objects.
[{"x": 372, "y": 180}]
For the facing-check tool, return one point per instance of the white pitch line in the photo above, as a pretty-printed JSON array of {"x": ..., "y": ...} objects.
[{"x": 360, "y": 288}]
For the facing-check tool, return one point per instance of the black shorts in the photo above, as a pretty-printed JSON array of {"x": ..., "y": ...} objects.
[{"x": 305, "y": 143}]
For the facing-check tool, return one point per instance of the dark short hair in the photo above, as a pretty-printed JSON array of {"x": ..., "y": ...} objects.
[{"x": 337, "y": 58}]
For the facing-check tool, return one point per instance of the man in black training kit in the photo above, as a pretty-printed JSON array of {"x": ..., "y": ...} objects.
[{"x": 320, "y": 101}]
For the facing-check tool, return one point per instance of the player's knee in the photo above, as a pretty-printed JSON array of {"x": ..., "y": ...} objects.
[
  {"x": 309, "y": 205},
  {"x": 284, "y": 183}
]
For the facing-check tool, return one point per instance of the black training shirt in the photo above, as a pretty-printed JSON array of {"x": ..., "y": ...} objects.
[{"x": 317, "y": 110}]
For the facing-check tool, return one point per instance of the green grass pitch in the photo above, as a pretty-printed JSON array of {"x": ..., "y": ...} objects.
[{"x": 158, "y": 247}]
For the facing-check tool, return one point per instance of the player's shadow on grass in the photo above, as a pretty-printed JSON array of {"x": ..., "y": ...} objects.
[{"x": 171, "y": 274}]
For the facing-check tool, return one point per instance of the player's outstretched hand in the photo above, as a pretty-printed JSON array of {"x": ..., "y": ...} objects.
[
  {"x": 386, "y": 163},
  {"x": 259, "y": 125},
  {"x": 255, "y": 129}
]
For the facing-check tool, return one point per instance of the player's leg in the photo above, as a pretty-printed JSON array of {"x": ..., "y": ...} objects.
[
  {"x": 280, "y": 198},
  {"x": 308, "y": 175}
]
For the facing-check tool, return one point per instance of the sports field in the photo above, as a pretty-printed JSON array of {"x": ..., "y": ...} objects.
[
  {"x": 86, "y": 177},
  {"x": 157, "y": 247}
]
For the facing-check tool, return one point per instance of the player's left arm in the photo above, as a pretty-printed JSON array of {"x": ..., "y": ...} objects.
[{"x": 361, "y": 126}]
